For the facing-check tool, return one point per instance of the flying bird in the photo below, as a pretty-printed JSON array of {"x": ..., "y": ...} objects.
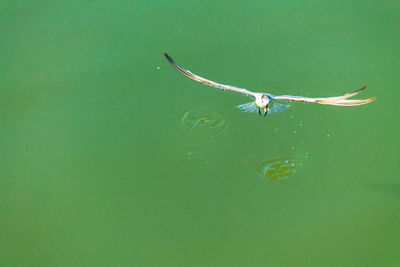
[{"x": 266, "y": 103}]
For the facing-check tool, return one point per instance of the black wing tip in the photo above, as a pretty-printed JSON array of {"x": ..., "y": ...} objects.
[
  {"x": 361, "y": 89},
  {"x": 357, "y": 91},
  {"x": 168, "y": 57}
]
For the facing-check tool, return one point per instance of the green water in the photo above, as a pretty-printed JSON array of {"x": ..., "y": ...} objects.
[{"x": 109, "y": 157}]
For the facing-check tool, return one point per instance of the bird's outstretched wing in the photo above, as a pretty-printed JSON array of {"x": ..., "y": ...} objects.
[
  {"x": 248, "y": 107},
  {"x": 277, "y": 107},
  {"x": 334, "y": 101},
  {"x": 199, "y": 79}
]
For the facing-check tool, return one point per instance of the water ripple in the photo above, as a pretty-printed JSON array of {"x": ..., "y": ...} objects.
[
  {"x": 278, "y": 169},
  {"x": 192, "y": 152},
  {"x": 209, "y": 121}
]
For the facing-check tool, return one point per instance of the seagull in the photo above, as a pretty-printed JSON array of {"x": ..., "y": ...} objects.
[{"x": 267, "y": 102}]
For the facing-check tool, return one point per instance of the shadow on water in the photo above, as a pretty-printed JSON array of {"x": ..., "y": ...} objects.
[
  {"x": 203, "y": 120},
  {"x": 278, "y": 169}
]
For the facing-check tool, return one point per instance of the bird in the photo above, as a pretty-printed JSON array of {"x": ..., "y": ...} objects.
[{"x": 266, "y": 103}]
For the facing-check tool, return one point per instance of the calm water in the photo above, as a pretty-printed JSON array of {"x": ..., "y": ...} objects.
[{"x": 110, "y": 157}]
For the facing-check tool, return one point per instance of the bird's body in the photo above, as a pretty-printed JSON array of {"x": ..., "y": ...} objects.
[
  {"x": 266, "y": 102},
  {"x": 262, "y": 100}
]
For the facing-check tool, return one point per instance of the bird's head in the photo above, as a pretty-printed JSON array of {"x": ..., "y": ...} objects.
[{"x": 263, "y": 101}]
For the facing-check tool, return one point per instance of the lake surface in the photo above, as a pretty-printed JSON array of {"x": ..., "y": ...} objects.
[{"x": 109, "y": 157}]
